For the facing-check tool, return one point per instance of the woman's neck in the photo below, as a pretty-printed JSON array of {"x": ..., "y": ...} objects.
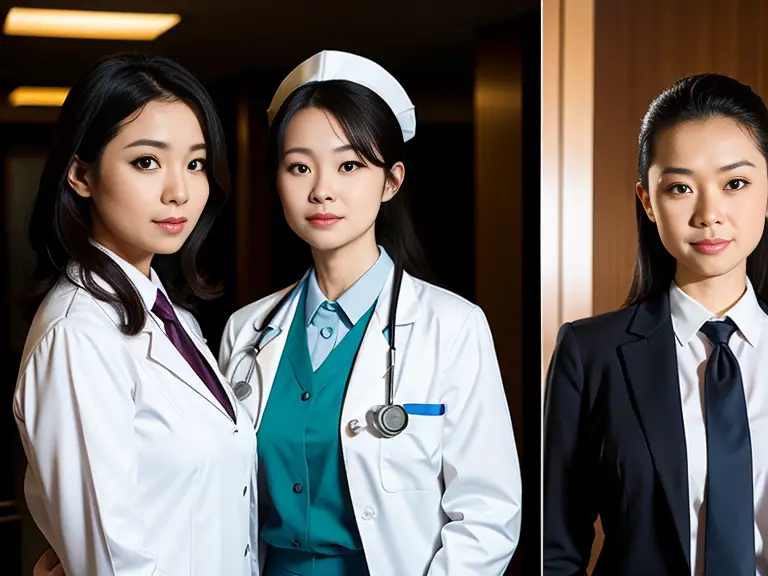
[
  {"x": 339, "y": 269},
  {"x": 138, "y": 258},
  {"x": 718, "y": 294}
]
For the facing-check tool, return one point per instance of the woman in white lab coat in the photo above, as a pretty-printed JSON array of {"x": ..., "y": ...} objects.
[
  {"x": 139, "y": 459},
  {"x": 343, "y": 488}
]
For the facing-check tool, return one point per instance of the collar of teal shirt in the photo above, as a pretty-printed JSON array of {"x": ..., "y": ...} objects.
[{"x": 358, "y": 298}]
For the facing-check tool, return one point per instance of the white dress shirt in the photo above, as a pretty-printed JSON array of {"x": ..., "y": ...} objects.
[{"x": 750, "y": 346}]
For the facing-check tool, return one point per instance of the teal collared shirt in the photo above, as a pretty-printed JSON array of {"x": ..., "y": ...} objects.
[{"x": 328, "y": 322}]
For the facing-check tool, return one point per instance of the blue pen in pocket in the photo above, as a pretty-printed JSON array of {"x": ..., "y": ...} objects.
[{"x": 425, "y": 409}]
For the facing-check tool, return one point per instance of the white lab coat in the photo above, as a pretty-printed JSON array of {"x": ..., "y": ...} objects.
[
  {"x": 442, "y": 498},
  {"x": 134, "y": 467}
]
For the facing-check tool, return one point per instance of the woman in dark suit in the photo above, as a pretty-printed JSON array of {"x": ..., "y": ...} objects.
[{"x": 656, "y": 415}]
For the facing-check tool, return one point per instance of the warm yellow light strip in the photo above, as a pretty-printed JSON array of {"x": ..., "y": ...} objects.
[
  {"x": 87, "y": 24},
  {"x": 38, "y": 96}
]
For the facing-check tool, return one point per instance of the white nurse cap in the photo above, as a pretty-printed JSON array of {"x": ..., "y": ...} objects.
[{"x": 334, "y": 65}]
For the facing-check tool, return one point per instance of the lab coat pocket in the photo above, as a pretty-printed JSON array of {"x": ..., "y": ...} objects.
[{"x": 412, "y": 460}]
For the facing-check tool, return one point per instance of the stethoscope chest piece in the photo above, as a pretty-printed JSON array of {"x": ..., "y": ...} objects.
[
  {"x": 242, "y": 390},
  {"x": 390, "y": 420}
]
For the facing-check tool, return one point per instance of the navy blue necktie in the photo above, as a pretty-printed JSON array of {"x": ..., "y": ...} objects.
[{"x": 730, "y": 540}]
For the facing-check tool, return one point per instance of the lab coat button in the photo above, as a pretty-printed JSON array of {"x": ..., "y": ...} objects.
[
  {"x": 369, "y": 513},
  {"x": 306, "y": 396},
  {"x": 295, "y": 543},
  {"x": 297, "y": 488},
  {"x": 247, "y": 549},
  {"x": 245, "y": 490}
]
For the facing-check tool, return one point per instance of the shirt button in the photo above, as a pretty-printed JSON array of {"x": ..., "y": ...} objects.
[
  {"x": 306, "y": 396},
  {"x": 326, "y": 332},
  {"x": 298, "y": 488},
  {"x": 235, "y": 431},
  {"x": 295, "y": 543},
  {"x": 368, "y": 513},
  {"x": 247, "y": 549}
]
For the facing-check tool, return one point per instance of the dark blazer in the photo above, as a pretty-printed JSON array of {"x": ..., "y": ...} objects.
[{"x": 614, "y": 445}]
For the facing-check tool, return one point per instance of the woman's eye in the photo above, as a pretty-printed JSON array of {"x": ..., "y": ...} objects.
[
  {"x": 680, "y": 189},
  {"x": 197, "y": 165},
  {"x": 299, "y": 168},
  {"x": 736, "y": 184},
  {"x": 350, "y": 166},
  {"x": 145, "y": 163}
]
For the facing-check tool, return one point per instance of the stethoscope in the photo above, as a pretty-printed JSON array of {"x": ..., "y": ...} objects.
[{"x": 390, "y": 419}]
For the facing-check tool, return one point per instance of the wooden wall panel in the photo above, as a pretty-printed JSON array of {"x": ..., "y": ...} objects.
[
  {"x": 566, "y": 166},
  {"x": 641, "y": 48}
]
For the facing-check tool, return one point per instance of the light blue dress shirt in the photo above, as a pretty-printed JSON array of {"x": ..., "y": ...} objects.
[{"x": 328, "y": 322}]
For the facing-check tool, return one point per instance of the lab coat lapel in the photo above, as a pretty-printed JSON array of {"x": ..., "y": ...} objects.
[
  {"x": 162, "y": 351},
  {"x": 202, "y": 347}
]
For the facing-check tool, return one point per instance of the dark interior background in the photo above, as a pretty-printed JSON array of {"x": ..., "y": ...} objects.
[{"x": 242, "y": 51}]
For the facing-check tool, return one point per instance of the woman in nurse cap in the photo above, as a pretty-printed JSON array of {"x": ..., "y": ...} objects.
[{"x": 430, "y": 483}]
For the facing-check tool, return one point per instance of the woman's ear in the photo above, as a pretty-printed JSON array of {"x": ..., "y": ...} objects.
[
  {"x": 645, "y": 199},
  {"x": 79, "y": 178},
  {"x": 394, "y": 182}
]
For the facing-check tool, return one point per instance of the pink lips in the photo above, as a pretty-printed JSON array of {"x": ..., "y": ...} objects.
[
  {"x": 171, "y": 225},
  {"x": 323, "y": 220},
  {"x": 711, "y": 245}
]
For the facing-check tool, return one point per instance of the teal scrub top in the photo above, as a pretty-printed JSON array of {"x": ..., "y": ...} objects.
[{"x": 309, "y": 523}]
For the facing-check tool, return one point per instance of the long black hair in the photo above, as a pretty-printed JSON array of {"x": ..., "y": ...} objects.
[
  {"x": 110, "y": 91},
  {"x": 701, "y": 97},
  {"x": 374, "y": 133}
]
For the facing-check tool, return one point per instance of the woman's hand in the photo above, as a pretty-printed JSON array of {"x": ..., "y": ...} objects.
[{"x": 48, "y": 565}]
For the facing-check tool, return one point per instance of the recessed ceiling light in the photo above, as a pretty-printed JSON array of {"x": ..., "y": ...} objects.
[
  {"x": 38, "y": 96},
  {"x": 87, "y": 24}
]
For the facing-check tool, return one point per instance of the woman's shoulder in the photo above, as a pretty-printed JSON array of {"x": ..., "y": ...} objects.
[
  {"x": 69, "y": 308},
  {"x": 446, "y": 309},
  {"x": 612, "y": 320},
  {"x": 440, "y": 299},
  {"x": 603, "y": 331},
  {"x": 69, "y": 300}
]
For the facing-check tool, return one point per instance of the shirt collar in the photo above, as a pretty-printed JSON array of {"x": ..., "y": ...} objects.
[
  {"x": 146, "y": 287},
  {"x": 688, "y": 315},
  {"x": 358, "y": 298}
]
